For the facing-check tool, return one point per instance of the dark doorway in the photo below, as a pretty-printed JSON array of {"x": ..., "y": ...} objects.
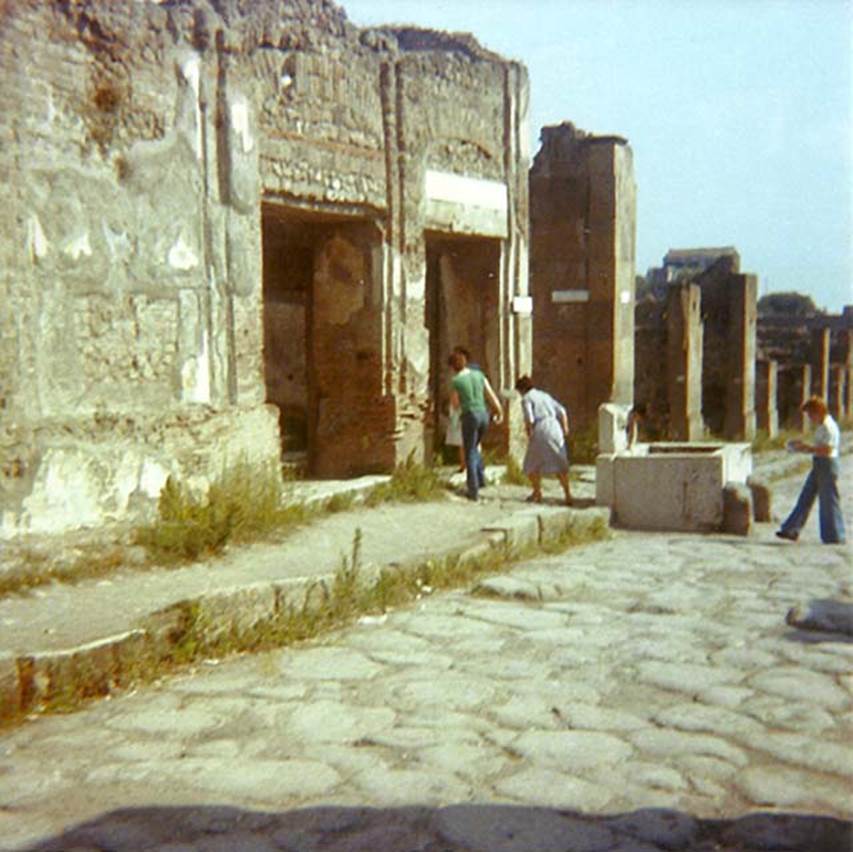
[
  {"x": 322, "y": 341},
  {"x": 462, "y": 299}
]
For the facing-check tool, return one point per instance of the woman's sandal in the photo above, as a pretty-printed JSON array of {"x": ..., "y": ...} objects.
[{"x": 533, "y": 498}]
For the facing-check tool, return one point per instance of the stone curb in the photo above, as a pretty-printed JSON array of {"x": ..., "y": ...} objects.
[{"x": 94, "y": 668}]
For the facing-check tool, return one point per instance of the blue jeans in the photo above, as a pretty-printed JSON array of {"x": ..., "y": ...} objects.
[
  {"x": 821, "y": 483},
  {"x": 474, "y": 425}
]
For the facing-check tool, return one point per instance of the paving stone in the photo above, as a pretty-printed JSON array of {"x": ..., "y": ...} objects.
[
  {"x": 655, "y": 776},
  {"x": 595, "y": 718},
  {"x": 799, "y": 685},
  {"x": 714, "y": 720},
  {"x": 789, "y": 788},
  {"x": 451, "y": 692},
  {"x": 333, "y": 721},
  {"x": 388, "y": 638},
  {"x": 327, "y": 663},
  {"x": 571, "y": 751},
  {"x": 699, "y": 766},
  {"x": 811, "y": 752},
  {"x": 509, "y": 588},
  {"x": 774, "y": 712},
  {"x": 505, "y": 667},
  {"x": 394, "y": 787},
  {"x": 675, "y": 743},
  {"x": 501, "y": 829},
  {"x": 725, "y": 696},
  {"x": 525, "y": 617},
  {"x": 682, "y": 677},
  {"x": 175, "y": 723},
  {"x": 467, "y": 761}
]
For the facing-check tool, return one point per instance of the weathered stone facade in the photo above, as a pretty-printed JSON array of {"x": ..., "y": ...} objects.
[
  {"x": 583, "y": 223},
  {"x": 218, "y": 220}
]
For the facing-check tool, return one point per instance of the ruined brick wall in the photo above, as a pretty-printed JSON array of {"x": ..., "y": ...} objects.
[
  {"x": 583, "y": 202},
  {"x": 139, "y": 140}
]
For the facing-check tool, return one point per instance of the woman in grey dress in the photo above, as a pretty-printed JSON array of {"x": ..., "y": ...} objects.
[{"x": 547, "y": 425}]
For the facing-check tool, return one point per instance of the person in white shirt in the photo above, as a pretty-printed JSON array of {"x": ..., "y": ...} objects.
[{"x": 822, "y": 481}]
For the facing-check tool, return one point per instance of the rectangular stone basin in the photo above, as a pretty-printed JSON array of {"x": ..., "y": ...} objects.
[{"x": 671, "y": 486}]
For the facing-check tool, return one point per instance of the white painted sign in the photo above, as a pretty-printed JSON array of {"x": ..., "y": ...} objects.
[
  {"x": 473, "y": 192},
  {"x": 565, "y": 296},
  {"x": 522, "y": 305}
]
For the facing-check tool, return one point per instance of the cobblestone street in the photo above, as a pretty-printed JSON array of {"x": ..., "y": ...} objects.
[{"x": 559, "y": 706}]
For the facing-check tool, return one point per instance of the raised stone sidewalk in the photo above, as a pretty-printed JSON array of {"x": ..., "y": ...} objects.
[{"x": 80, "y": 638}]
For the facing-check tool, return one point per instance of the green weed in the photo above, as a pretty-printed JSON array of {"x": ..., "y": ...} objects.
[
  {"x": 247, "y": 503},
  {"x": 411, "y": 482}
]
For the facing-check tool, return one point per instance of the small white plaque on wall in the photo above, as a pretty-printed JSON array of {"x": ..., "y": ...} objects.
[
  {"x": 522, "y": 305},
  {"x": 565, "y": 296}
]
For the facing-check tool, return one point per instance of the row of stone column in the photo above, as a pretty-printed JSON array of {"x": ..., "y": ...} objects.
[{"x": 782, "y": 389}]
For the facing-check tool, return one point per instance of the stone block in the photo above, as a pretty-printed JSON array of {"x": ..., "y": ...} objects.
[
  {"x": 604, "y": 479},
  {"x": 612, "y": 420},
  {"x": 518, "y": 531},
  {"x": 737, "y": 509},
  {"x": 762, "y": 502},
  {"x": 553, "y": 523},
  {"x": 10, "y": 689}
]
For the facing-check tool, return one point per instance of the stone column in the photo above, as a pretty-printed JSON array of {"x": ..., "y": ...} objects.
[
  {"x": 766, "y": 411},
  {"x": 740, "y": 390},
  {"x": 837, "y": 389},
  {"x": 684, "y": 362},
  {"x": 801, "y": 387},
  {"x": 820, "y": 362},
  {"x": 847, "y": 364}
]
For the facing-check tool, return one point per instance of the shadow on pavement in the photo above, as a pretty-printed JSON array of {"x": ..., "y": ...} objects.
[{"x": 455, "y": 828}]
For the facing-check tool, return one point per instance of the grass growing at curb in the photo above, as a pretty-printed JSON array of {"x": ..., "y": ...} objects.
[
  {"x": 350, "y": 595},
  {"x": 246, "y": 504},
  {"x": 411, "y": 482}
]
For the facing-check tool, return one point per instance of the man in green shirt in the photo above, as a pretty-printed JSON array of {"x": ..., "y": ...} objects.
[{"x": 470, "y": 391}]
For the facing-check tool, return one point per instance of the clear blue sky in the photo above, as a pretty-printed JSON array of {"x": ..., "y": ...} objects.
[{"x": 738, "y": 112}]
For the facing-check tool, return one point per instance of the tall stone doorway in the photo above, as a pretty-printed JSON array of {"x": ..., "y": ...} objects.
[
  {"x": 322, "y": 338},
  {"x": 462, "y": 299}
]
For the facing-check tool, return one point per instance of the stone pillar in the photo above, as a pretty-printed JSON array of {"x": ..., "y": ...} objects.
[
  {"x": 740, "y": 390},
  {"x": 847, "y": 364},
  {"x": 766, "y": 411},
  {"x": 820, "y": 362},
  {"x": 684, "y": 362},
  {"x": 795, "y": 388},
  {"x": 582, "y": 235},
  {"x": 837, "y": 390}
]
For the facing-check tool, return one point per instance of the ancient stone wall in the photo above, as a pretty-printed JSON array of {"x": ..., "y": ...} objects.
[
  {"x": 140, "y": 278},
  {"x": 583, "y": 203}
]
